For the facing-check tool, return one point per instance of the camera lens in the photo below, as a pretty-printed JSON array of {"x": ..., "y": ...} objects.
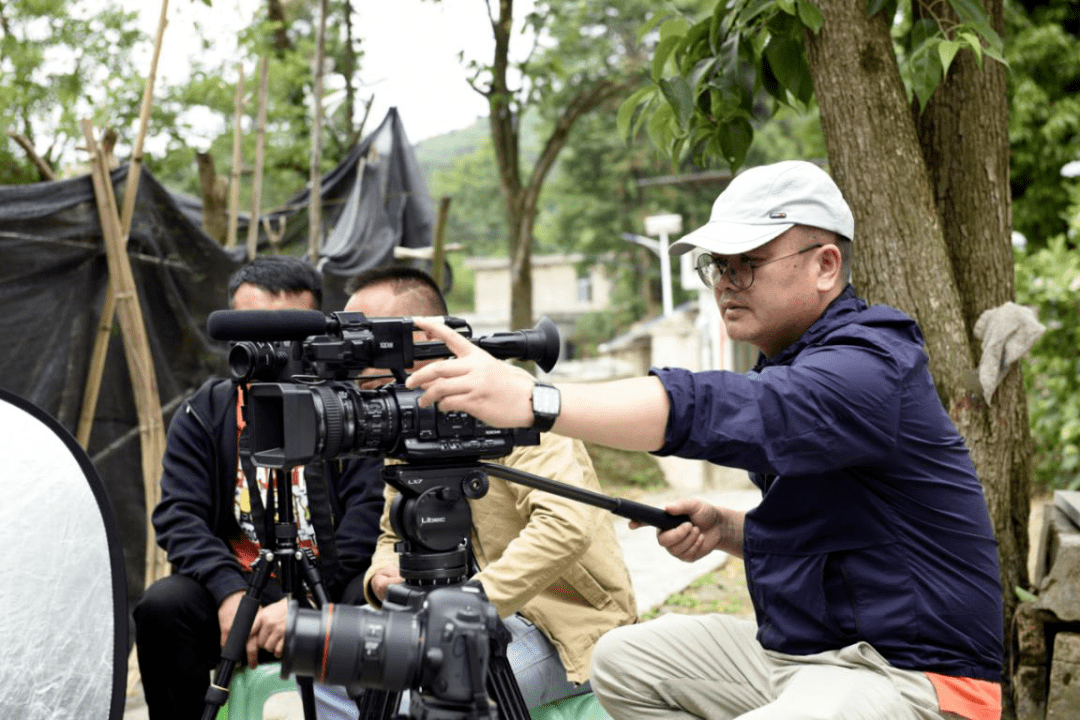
[{"x": 345, "y": 644}]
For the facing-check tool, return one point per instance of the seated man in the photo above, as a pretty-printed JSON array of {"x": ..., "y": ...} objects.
[
  {"x": 871, "y": 559},
  {"x": 552, "y": 567},
  {"x": 212, "y": 521}
]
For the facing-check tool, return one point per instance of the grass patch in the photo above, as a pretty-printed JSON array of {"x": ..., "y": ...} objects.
[
  {"x": 723, "y": 591},
  {"x": 623, "y": 472}
]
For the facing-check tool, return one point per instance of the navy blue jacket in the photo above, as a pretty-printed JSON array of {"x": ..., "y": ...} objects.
[
  {"x": 872, "y": 525},
  {"x": 195, "y": 519}
]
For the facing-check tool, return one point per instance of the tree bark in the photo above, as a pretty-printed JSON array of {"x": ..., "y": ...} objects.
[
  {"x": 213, "y": 189},
  {"x": 964, "y": 135},
  {"x": 931, "y": 201}
]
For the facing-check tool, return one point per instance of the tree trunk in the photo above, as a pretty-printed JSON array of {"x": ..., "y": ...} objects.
[
  {"x": 215, "y": 220},
  {"x": 902, "y": 177},
  {"x": 964, "y": 134}
]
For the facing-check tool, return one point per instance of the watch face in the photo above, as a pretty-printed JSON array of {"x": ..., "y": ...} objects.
[{"x": 545, "y": 400}]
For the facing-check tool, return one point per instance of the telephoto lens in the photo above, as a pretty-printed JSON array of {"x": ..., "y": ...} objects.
[{"x": 346, "y": 644}]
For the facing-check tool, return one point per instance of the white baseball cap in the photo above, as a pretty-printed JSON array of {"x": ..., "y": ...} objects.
[{"x": 762, "y": 202}]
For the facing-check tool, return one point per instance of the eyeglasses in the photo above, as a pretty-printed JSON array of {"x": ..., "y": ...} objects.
[{"x": 711, "y": 268}]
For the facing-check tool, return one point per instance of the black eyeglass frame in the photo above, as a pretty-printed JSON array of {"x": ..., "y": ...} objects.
[{"x": 710, "y": 265}]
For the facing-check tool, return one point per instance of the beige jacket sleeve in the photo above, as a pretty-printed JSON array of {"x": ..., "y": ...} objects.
[{"x": 526, "y": 539}]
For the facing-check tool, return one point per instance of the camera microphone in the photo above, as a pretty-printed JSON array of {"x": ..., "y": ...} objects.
[{"x": 265, "y": 325}]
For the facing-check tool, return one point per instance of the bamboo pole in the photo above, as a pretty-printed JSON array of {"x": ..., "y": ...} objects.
[
  {"x": 136, "y": 342},
  {"x": 237, "y": 158},
  {"x": 260, "y": 150},
  {"x": 92, "y": 388},
  {"x": 131, "y": 187},
  {"x": 315, "y": 197}
]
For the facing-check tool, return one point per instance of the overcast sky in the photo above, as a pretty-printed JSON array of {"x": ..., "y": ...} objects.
[{"x": 410, "y": 52}]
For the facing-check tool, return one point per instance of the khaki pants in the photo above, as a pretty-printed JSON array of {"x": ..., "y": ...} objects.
[{"x": 711, "y": 666}]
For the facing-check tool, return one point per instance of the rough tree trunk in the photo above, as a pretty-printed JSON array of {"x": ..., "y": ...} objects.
[
  {"x": 965, "y": 138},
  {"x": 929, "y": 197},
  {"x": 214, "y": 190}
]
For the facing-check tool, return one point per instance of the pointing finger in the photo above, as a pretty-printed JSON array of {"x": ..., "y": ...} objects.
[{"x": 455, "y": 341}]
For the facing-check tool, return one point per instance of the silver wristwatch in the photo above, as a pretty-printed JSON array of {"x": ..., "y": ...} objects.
[{"x": 546, "y": 404}]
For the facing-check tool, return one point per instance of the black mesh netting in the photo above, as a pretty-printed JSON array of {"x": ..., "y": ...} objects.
[{"x": 53, "y": 280}]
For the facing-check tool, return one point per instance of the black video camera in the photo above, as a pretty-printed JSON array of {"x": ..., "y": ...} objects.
[{"x": 302, "y": 404}]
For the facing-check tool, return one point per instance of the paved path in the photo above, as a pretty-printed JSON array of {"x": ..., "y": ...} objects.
[{"x": 655, "y": 573}]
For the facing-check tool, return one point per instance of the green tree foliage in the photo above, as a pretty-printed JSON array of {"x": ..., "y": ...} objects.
[
  {"x": 183, "y": 114},
  {"x": 1049, "y": 279},
  {"x": 1043, "y": 47},
  {"x": 708, "y": 74},
  {"x": 60, "y": 62}
]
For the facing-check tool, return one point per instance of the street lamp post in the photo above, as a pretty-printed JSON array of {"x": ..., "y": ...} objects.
[{"x": 663, "y": 226}]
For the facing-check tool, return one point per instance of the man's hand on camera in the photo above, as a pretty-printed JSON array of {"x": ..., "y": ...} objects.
[
  {"x": 491, "y": 390},
  {"x": 268, "y": 631},
  {"x": 383, "y": 578}
]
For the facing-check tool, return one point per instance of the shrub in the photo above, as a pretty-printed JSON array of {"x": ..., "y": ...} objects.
[{"x": 1049, "y": 280}]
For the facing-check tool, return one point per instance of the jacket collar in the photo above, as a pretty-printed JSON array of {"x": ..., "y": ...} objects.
[{"x": 839, "y": 312}]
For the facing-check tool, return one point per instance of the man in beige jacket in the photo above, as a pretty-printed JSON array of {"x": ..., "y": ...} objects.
[{"x": 552, "y": 567}]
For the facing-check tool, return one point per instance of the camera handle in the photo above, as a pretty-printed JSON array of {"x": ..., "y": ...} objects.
[
  {"x": 284, "y": 554},
  {"x": 617, "y": 506}
]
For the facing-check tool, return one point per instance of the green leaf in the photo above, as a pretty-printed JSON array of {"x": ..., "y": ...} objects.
[
  {"x": 735, "y": 137},
  {"x": 752, "y": 10},
  {"x": 788, "y": 63},
  {"x": 947, "y": 50},
  {"x": 629, "y": 110},
  {"x": 873, "y": 7},
  {"x": 810, "y": 15},
  {"x": 974, "y": 43},
  {"x": 651, "y": 23},
  {"x": 659, "y": 128},
  {"x": 1024, "y": 596},
  {"x": 660, "y": 58},
  {"x": 921, "y": 31},
  {"x": 925, "y": 66},
  {"x": 674, "y": 28},
  {"x": 679, "y": 95},
  {"x": 787, "y": 6}
]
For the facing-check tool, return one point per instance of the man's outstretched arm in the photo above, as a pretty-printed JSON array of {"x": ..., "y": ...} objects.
[{"x": 626, "y": 414}]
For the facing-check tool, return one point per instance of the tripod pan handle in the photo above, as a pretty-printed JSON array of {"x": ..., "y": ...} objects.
[{"x": 647, "y": 514}]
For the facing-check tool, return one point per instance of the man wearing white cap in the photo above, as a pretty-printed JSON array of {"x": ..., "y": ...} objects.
[{"x": 870, "y": 560}]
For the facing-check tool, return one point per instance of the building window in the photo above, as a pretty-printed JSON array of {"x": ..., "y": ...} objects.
[{"x": 584, "y": 290}]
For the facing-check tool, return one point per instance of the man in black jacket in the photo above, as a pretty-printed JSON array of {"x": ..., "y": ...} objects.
[{"x": 212, "y": 520}]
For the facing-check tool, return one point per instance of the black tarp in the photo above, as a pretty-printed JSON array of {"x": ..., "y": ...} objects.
[{"x": 53, "y": 279}]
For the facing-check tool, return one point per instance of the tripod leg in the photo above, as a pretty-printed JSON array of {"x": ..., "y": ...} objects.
[
  {"x": 503, "y": 689},
  {"x": 378, "y": 704},
  {"x": 235, "y": 646},
  {"x": 502, "y": 686}
]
